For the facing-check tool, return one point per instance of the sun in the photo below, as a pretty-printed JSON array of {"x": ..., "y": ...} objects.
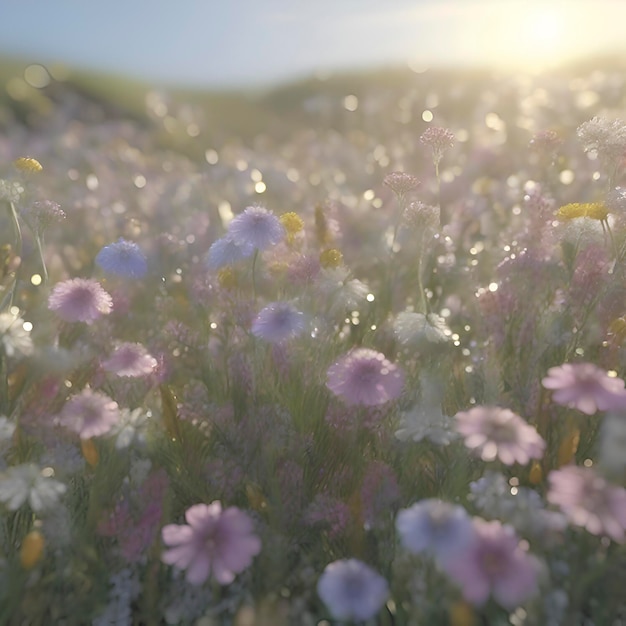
[{"x": 529, "y": 34}]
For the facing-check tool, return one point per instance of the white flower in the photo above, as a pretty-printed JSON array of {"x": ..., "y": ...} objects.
[
  {"x": 613, "y": 444},
  {"x": 13, "y": 337},
  {"x": 26, "y": 483},
  {"x": 11, "y": 191},
  {"x": 130, "y": 428},
  {"x": 412, "y": 328},
  {"x": 7, "y": 428},
  {"x": 341, "y": 293},
  {"x": 426, "y": 420}
]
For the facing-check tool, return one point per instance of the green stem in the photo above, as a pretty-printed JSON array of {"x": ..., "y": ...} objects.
[
  {"x": 254, "y": 258},
  {"x": 18, "y": 250},
  {"x": 44, "y": 270},
  {"x": 420, "y": 283}
]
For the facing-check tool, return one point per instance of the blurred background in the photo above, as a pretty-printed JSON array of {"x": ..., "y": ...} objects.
[{"x": 252, "y": 43}]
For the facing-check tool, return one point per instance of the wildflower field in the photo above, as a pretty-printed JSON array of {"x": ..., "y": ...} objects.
[{"x": 360, "y": 362}]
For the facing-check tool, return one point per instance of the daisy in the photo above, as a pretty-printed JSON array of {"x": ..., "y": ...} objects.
[
  {"x": 214, "y": 542},
  {"x": 14, "y": 339},
  {"x": 588, "y": 500},
  {"x": 493, "y": 564},
  {"x": 497, "y": 433},
  {"x": 26, "y": 483},
  {"x": 585, "y": 387}
]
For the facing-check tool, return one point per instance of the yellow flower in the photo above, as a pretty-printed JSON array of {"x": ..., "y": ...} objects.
[
  {"x": 292, "y": 222},
  {"x": 28, "y": 164},
  {"x": 227, "y": 278},
  {"x": 331, "y": 258},
  {"x": 462, "y": 614},
  {"x": 617, "y": 329},
  {"x": 593, "y": 210},
  {"x": 90, "y": 452},
  {"x": 32, "y": 549}
]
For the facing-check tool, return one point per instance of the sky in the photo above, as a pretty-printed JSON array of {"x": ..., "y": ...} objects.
[{"x": 260, "y": 42}]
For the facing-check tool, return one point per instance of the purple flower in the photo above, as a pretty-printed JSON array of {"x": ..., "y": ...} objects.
[
  {"x": 365, "y": 377},
  {"x": 585, "y": 387},
  {"x": 439, "y": 139},
  {"x": 352, "y": 590},
  {"x": 434, "y": 527},
  {"x": 588, "y": 500},
  {"x": 130, "y": 359},
  {"x": 123, "y": 258},
  {"x": 80, "y": 300},
  {"x": 494, "y": 432},
  {"x": 225, "y": 251},
  {"x": 256, "y": 227},
  {"x": 278, "y": 322},
  {"x": 400, "y": 182},
  {"x": 214, "y": 542},
  {"x": 494, "y": 564},
  {"x": 89, "y": 414}
]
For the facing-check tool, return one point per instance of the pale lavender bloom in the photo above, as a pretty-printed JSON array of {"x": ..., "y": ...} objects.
[
  {"x": 400, "y": 182},
  {"x": 422, "y": 217},
  {"x": 434, "y": 527},
  {"x": 41, "y": 214},
  {"x": 616, "y": 200},
  {"x": 89, "y": 414},
  {"x": 256, "y": 227},
  {"x": 329, "y": 513},
  {"x": 123, "y": 258},
  {"x": 80, "y": 300},
  {"x": 497, "y": 433},
  {"x": 439, "y": 139},
  {"x": 352, "y": 590},
  {"x": 365, "y": 377},
  {"x": 588, "y": 500},
  {"x": 278, "y": 322},
  {"x": 225, "y": 252},
  {"x": 493, "y": 563},
  {"x": 131, "y": 360},
  {"x": 214, "y": 542},
  {"x": 585, "y": 387}
]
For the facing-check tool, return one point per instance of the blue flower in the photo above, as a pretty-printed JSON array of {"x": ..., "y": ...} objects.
[
  {"x": 256, "y": 227},
  {"x": 434, "y": 527},
  {"x": 352, "y": 590},
  {"x": 277, "y": 322},
  {"x": 225, "y": 251},
  {"x": 123, "y": 258}
]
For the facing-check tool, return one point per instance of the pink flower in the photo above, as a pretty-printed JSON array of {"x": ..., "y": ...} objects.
[
  {"x": 365, "y": 377},
  {"x": 89, "y": 414},
  {"x": 213, "y": 542},
  {"x": 589, "y": 501},
  {"x": 493, "y": 563},
  {"x": 400, "y": 182},
  {"x": 494, "y": 432},
  {"x": 80, "y": 300},
  {"x": 585, "y": 387},
  {"x": 130, "y": 359}
]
